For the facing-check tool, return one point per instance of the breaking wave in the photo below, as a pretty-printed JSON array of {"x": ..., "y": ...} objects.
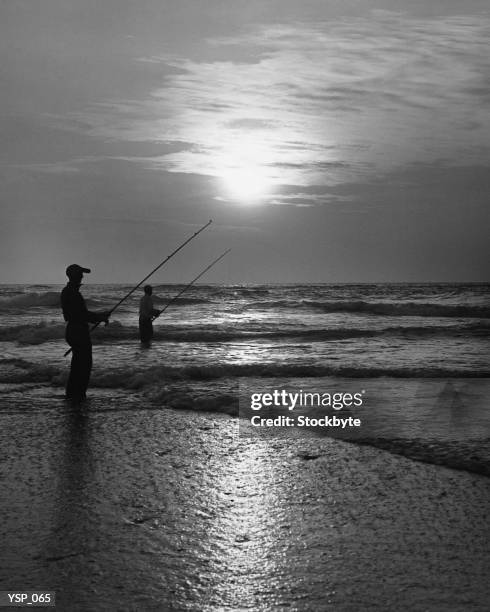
[
  {"x": 382, "y": 308},
  {"x": 17, "y": 370},
  {"x": 49, "y": 331},
  {"x": 116, "y": 331},
  {"x": 46, "y": 299},
  {"x": 49, "y": 299}
]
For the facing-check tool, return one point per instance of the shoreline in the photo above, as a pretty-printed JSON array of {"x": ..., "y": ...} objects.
[
  {"x": 471, "y": 455},
  {"x": 466, "y": 455},
  {"x": 138, "y": 508}
]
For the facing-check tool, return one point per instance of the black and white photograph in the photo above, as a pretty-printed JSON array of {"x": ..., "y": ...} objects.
[{"x": 245, "y": 305}]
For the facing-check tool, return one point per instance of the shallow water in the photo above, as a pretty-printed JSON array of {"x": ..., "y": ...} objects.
[{"x": 420, "y": 352}]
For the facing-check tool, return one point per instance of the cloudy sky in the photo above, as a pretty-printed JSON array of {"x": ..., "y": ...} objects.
[{"x": 330, "y": 141}]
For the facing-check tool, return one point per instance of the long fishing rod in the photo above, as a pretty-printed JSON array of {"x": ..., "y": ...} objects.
[
  {"x": 148, "y": 276},
  {"x": 191, "y": 283}
]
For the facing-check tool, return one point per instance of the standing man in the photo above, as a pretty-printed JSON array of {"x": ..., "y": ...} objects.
[
  {"x": 147, "y": 313},
  {"x": 77, "y": 333}
]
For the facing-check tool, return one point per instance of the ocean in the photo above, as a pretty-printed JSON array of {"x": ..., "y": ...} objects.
[{"x": 419, "y": 352}]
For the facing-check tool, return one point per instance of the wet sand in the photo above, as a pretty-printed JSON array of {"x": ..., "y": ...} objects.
[{"x": 134, "y": 507}]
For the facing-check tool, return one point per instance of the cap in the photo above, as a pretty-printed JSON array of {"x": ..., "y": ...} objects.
[{"x": 75, "y": 270}]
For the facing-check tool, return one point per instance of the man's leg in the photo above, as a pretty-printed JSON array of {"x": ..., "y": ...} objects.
[
  {"x": 146, "y": 330},
  {"x": 85, "y": 368},
  {"x": 81, "y": 367},
  {"x": 73, "y": 383}
]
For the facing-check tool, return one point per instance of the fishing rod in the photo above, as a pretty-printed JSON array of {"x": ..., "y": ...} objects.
[
  {"x": 191, "y": 283},
  {"x": 148, "y": 276}
]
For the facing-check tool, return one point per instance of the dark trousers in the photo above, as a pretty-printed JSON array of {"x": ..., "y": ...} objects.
[
  {"x": 81, "y": 361},
  {"x": 146, "y": 329}
]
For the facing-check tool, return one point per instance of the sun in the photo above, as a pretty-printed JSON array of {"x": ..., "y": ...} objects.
[
  {"x": 246, "y": 182},
  {"x": 245, "y": 170}
]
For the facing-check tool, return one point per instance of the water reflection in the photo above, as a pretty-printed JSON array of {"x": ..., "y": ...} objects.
[
  {"x": 243, "y": 535},
  {"x": 71, "y": 539}
]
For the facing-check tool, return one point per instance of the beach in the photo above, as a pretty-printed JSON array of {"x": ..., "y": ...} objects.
[{"x": 124, "y": 507}]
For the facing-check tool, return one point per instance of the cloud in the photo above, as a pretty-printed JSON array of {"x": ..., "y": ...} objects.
[
  {"x": 71, "y": 167},
  {"x": 319, "y": 103}
]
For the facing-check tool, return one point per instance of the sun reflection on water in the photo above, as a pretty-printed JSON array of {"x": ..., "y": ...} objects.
[{"x": 244, "y": 531}]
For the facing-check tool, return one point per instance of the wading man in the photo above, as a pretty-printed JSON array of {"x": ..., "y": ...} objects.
[
  {"x": 77, "y": 334},
  {"x": 147, "y": 314}
]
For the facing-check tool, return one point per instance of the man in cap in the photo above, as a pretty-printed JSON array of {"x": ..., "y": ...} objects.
[{"x": 77, "y": 334}]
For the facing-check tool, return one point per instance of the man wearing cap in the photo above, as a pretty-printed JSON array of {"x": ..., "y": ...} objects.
[{"x": 77, "y": 334}]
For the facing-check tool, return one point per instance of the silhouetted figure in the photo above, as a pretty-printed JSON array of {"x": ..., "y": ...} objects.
[
  {"x": 77, "y": 332},
  {"x": 147, "y": 313}
]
